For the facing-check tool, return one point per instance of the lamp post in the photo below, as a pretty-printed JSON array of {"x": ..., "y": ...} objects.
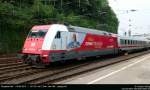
[{"x": 129, "y": 31}]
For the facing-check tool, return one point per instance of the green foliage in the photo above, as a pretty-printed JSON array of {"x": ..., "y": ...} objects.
[
  {"x": 18, "y": 16},
  {"x": 42, "y": 11}
]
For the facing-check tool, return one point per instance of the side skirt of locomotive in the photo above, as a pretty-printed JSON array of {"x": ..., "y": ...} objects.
[
  {"x": 68, "y": 55},
  {"x": 79, "y": 54}
]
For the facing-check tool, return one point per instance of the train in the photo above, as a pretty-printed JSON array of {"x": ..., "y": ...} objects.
[{"x": 46, "y": 44}]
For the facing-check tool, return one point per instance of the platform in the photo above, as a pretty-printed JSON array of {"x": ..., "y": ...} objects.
[{"x": 133, "y": 71}]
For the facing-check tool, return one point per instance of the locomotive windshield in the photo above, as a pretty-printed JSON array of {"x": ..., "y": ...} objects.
[{"x": 37, "y": 33}]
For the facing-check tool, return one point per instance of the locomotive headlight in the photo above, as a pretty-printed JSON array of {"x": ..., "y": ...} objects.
[
  {"x": 45, "y": 55},
  {"x": 39, "y": 49},
  {"x": 25, "y": 49}
]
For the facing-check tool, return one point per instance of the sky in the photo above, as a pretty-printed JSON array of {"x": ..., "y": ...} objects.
[{"x": 138, "y": 21}]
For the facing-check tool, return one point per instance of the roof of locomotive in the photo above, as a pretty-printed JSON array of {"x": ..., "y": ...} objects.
[
  {"x": 42, "y": 27},
  {"x": 91, "y": 31},
  {"x": 75, "y": 29}
]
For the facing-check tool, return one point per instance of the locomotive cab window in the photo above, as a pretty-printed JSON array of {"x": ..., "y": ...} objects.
[
  {"x": 58, "y": 35},
  {"x": 37, "y": 33}
]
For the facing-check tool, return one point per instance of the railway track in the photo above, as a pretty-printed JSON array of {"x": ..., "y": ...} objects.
[
  {"x": 10, "y": 64},
  {"x": 7, "y": 55},
  {"x": 22, "y": 74},
  {"x": 28, "y": 75},
  {"x": 7, "y": 60},
  {"x": 7, "y": 71},
  {"x": 79, "y": 70},
  {"x": 13, "y": 67},
  {"x": 41, "y": 75}
]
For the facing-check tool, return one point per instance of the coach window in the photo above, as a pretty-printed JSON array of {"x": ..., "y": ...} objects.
[
  {"x": 135, "y": 42},
  {"x": 139, "y": 42},
  {"x": 58, "y": 35},
  {"x": 121, "y": 41},
  {"x": 128, "y": 42},
  {"x": 142, "y": 42},
  {"x": 125, "y": 42}
]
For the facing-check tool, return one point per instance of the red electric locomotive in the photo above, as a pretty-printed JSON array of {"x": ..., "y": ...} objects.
[{"x": 46, "y": 44}]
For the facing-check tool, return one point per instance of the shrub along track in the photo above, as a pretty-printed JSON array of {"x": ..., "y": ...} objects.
[{"x": 25, "y": 74}]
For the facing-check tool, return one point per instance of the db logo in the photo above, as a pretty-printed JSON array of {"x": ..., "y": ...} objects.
[{"x": 32, "y": 44}]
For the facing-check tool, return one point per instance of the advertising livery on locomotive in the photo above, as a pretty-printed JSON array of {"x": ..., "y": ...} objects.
[{"x": 46, "y": 44}]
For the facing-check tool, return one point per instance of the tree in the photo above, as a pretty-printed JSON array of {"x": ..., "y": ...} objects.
[{"x": 18, "y": 16}]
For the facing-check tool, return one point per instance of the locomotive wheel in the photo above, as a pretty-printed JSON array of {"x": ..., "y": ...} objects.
[
  {"x": 27, "y": 61},
  {"x": 63, "y": 61},
  {"x": 38, "y": 64}
]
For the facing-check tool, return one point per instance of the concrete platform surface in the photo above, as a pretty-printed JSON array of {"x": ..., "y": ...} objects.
[{"x": 133, "y": 71}]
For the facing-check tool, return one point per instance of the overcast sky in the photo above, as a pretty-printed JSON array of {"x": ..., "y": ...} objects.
[{"x": 138, "y": 21}]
